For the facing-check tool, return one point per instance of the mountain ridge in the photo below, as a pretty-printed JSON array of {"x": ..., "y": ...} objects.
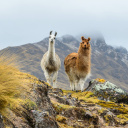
[{"x": 107, "y": 62}]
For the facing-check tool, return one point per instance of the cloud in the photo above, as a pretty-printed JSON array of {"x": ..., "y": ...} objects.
[{"x": 25, "y": 21}]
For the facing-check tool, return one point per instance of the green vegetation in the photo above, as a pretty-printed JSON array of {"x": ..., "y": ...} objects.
[
  {"x": 89, "y": 98},
  {"x": 123, "y": 116},
  {"x": 115, "y": 106},
  {"x": 29, "y": 104},
  {"x": 102, "y": 110},
  {"x": 61, "y": 125},
  {"x": 85, "y": 96},
  {"x": 61, "y": 119},
  {"x": 60, "y": 107}
]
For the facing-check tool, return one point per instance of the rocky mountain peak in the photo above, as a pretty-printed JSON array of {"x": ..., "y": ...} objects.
[
  {"x": 121, "y": 50},
  {"x": 68, "y": 38}
]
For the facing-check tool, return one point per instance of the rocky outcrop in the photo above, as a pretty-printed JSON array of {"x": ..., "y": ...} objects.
[
  {"x": 36, "y": 111},
  {"x": 43, "y": 120},
  {"x": 86, "y": 110},
  {"x": 108, "y": 91},
  {"x": 49, "y": 107}
]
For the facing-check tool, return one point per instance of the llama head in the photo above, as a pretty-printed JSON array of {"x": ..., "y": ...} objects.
[
  {"x": 85, "y": 43},
  {"x": 52, "y": 37}
]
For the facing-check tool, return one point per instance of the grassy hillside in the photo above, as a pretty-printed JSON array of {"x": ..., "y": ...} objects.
[
  {"x": 15, "y": 88},
  {"x": 28, "y": 102}
]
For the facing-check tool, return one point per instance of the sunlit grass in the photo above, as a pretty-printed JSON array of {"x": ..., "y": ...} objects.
[
  {"x": 14, "y": 85},
  {"x": 85, "y": 96},
  {"x": 60, "y": 107}
]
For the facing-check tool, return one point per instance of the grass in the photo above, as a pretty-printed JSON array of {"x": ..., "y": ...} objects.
[
  {"x": 85, "y": 96},
  {"x": 9, "y": 84},
  {"x": 15, "y": 86},
  {"x": 123, "y": 116},
  {"x": 61, "y": 125},
  {"x": 100, "y": 80},
  {"x": 88, "y": 97},
  {"x": 60, "y": 107},
  {"x": 61, "y": 119},
  {"x": 112, "y": 105}
]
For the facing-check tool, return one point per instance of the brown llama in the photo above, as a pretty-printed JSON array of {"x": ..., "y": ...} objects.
[{"x": 78, "y": 65}]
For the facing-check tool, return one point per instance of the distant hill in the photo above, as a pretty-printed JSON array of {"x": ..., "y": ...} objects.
[{"x": 107, "y": 62}]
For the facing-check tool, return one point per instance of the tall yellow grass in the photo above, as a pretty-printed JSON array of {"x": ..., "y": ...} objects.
[
  {"x": 9, "y": 84},
  {"x": 13, "y": 83}
]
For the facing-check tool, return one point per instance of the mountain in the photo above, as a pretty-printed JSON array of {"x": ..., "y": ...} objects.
[{"x": 108, "y": 62}]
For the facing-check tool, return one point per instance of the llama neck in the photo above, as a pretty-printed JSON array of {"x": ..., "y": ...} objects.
[
  {"x": 51, "y": 51},
  {"x": 83, "y": 59},
  {"x": 84, "y": 52}
]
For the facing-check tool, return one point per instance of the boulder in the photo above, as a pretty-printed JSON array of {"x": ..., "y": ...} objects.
[{"x": 108, "y": 91}]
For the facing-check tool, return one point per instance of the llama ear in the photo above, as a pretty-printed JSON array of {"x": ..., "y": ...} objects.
[
  {"x": 50, "y": 32},
  {"x": 82, "y": 37},
  {"x": 89, "y": 38},
  {"x": 55, "y": 33}
]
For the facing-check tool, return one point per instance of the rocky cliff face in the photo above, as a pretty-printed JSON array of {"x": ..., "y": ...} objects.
[
  {"x": 56, "y": 108},
  {"x": 107, "y": 62},
  {"x": 36, "y": 110}
]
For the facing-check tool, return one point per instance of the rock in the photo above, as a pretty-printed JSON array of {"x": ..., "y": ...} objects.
[
  {"x": 43, "y": 120},
  {"x": 69, "y": 95},
  {"x": 43, "y": 101},
  {"x": 1, "y": 122},
  {"x": 108, "y": 91},
  {"x": 88, "y": 114},
  {"x": 57, "y": 91}
]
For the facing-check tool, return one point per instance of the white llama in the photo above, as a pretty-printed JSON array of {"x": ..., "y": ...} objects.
[{"x": 50, "y": 62}]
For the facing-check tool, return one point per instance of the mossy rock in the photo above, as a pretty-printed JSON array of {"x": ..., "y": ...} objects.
[{"x": 61, "y": 119}]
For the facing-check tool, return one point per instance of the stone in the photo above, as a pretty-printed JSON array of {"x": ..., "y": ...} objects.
[{"x": 1, "y": 122}]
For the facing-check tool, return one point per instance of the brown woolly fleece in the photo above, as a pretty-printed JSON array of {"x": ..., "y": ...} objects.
[{"x": 78, "y": 65}]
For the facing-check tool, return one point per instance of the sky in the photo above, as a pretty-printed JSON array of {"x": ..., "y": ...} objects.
[{"x": 29, "y": 21}]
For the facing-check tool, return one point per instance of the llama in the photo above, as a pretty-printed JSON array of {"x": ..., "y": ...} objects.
[
  {"x": 50, "y": 62},
  {"x": 78, "y": 65}
]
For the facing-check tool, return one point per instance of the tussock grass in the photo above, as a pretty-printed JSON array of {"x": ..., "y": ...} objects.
[
  {"x": 9, "y": 84},
  {"x": 13, "y": 83}
]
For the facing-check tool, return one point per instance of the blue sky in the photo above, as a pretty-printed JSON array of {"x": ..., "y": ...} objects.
[{"x": 29, "y": 21}]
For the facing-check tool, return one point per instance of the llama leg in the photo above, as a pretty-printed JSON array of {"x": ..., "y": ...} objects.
[
  {"x": 76, "y": 85},
  {"x": 48, "y": 77},
  {"x": 82, "y": 81},
  {"x": 71, "y": 85},
  {"x": 55, "y": 74}
]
